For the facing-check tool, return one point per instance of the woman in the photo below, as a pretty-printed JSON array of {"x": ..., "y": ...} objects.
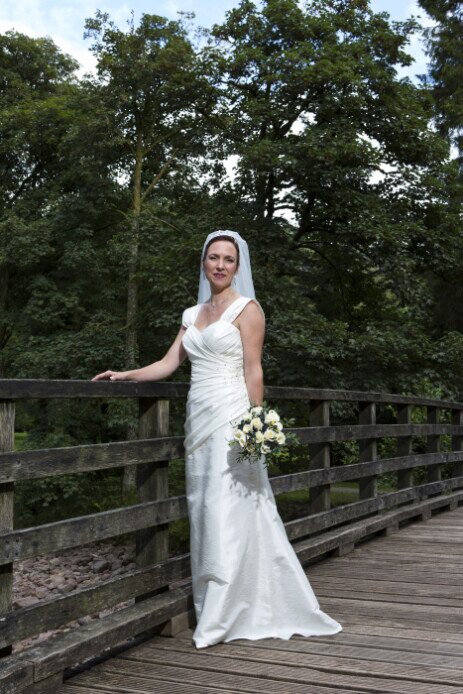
[{"x": 247, "y": 580}]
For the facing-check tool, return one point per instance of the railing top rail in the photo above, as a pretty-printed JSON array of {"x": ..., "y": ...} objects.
[{"x": 20, "y": 389}]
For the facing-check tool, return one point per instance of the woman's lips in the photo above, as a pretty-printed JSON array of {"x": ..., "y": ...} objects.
[{"x": 218, "y": 274}]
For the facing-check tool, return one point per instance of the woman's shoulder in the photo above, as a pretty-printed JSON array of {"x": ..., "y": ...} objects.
[
  {"x": 249, "y": 306},
  {"x": 189, "y": 314}
]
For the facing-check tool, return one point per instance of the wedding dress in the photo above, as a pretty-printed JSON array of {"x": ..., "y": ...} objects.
[{"x": 246, "y": 578}]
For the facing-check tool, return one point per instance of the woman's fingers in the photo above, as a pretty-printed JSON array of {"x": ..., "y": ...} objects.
[
  {"x": 111, "y": 376},
  {"x": 103, "y": 376}
]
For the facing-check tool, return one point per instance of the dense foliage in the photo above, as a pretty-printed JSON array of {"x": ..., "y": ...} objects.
[{"x": 344, "y": 188}]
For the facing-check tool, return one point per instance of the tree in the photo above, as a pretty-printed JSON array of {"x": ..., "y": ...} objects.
[
  {"x": 35, "y": 88},
  {"x": 155, "y": 102},
  {"x": 445, "y": 49},
  {"x": 325, "y": 131}
]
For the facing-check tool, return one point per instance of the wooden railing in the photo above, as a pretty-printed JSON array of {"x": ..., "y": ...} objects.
[{"x": 159, "y": 584}]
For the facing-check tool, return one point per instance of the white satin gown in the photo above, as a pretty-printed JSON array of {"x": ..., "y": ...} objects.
[{"x": 246, "y": 578}]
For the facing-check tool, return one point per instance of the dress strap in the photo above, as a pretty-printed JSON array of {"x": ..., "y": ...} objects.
[{"x": 235, "y": 308}]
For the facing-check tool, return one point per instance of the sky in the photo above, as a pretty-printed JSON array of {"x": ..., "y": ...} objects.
[{"x": 63, "y": 20}]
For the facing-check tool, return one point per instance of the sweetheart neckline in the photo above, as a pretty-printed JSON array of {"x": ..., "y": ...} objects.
[
  {"x": 218, "y": 319},
  {"x": 210, "y": 324}
]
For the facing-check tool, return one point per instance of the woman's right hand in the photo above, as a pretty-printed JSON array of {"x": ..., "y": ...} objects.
[{"x": 111, "y": 376}]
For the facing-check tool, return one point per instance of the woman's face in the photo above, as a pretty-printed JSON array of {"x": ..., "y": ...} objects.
[{"x": 220, "y": 264}]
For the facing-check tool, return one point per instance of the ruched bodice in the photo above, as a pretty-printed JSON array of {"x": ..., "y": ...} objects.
[{"x": 218, "y": 392}]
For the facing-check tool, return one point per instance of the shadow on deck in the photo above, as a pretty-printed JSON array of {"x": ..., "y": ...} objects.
[{"x": 399, "y": 599}]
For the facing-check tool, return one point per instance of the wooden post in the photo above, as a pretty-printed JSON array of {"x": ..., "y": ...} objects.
[
  {"x": 319, "y": 497},
  {"x": 404, "y": 447},
  {"x": 434, "y": 473},
  {"x": 7, "y": 412},
  {"x": 457, "y": 442},
  {"x": 152, "y": 544},
  {"x": 368, "y": 486}
]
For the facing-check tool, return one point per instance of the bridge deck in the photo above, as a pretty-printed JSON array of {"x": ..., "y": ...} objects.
[{"x": 399, "y": 599}]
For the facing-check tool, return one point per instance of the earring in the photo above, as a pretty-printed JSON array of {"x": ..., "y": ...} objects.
[{"x": 234, "y": 279}]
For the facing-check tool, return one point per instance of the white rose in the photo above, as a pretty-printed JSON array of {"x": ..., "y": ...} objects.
[
  {"x": 265, "y": 448},
  {"x": 256, "y": 410},
  {"x": 279, "y": 426},
  {"x": 247, "y": 417},
  {"x": 256, "y": 423},
  {"x": 259, "y": 437},
  {"x": 246, "y": 428},
  {"x": 269, "y": 435},
  {"x": 240, "y": 437},
  {"x": 272, "y": 417},
  {"x": 280, "y": 439}
]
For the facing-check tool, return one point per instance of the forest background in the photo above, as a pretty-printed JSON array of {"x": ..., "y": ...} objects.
[{"x": 347, "y": 186}]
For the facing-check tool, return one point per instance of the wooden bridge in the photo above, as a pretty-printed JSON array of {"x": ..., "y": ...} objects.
[{"x": 387, "y": 565}]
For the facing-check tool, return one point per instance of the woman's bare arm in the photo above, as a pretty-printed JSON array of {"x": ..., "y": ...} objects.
[
  {"x": 252, "y": 326},
  {"x": 156, "y": 371}
]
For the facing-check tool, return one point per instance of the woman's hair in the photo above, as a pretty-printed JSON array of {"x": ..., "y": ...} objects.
[{"x": 224, "y": 237}]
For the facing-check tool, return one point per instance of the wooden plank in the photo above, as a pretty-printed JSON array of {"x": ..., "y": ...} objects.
[
  {"x": 75, "y": 532},
  {"x": 123, "y": 675},
  {"x": 68, "y": 649},
  {"x": 325, "y": 671},
  {"x": 354, "y": 471},
  {"x": 7, "y": 415},
  {"x": 434, "y": 474},
  {"x": 351, "y": 432},
  {"x": 28, "y": 388},
  {"x": 310, "y": 524},
  {"x": 320, "y": 457},
  {"x": 50, "y": 614},
  {"x": 46, "y": 462},
  {"x": 148, "y": 687},
  {"x": 368, "y": 486},
  {"x": 15, "y": 674},
  {"x": 352, "y": 533},
  {"x": 334, "y": 649},
  {"x": 457, "y": 441},
  {"x": 430, "y": 613},
  {"x": 348, "y": 665},
  {"x": 152, "y": 543},
  {"x": 25, "y": 388},
  {"x": 404, "y": 447}
]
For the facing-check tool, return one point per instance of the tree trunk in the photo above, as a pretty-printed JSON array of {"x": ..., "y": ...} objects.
[
  {"x": 4, "y": 330},
  {"x": 131, "y": 335}
]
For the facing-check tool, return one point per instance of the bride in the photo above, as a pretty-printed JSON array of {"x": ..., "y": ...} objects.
[{"x": 246, "y": 578}]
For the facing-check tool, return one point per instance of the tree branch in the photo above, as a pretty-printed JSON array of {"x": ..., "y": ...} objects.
[{"x": 158, "y": 177}]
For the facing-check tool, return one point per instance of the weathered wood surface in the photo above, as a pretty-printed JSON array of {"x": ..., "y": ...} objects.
[
  {"x": 7, "y": 417},
  {"x": 25, "y": 388},
  {"x": 75, "y": 532},
  {"x": 46, "y": 462},
  {"x": 398, "y": 598}
]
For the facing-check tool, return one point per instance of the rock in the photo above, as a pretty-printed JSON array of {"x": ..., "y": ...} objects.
[
  {"x": 70, "y": 585},
  {"x": 25, "y": 601},
  {"x": 100, "y": 565}
]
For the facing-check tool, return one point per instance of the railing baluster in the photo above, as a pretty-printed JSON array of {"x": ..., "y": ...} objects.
[
  {"x": 152, "y": 544},
  {"x": 320, "y": 456},
  {"x": 404, "y": 447},
  {"x": 457, "y": 442},
  {"x": 434, "y": 472},
  {"x": 7, "y": 413},
  {"x": 368, "y": 486}
]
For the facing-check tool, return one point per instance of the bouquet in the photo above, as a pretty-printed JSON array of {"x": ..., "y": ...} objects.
[{"x": 258, "y": 432}]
